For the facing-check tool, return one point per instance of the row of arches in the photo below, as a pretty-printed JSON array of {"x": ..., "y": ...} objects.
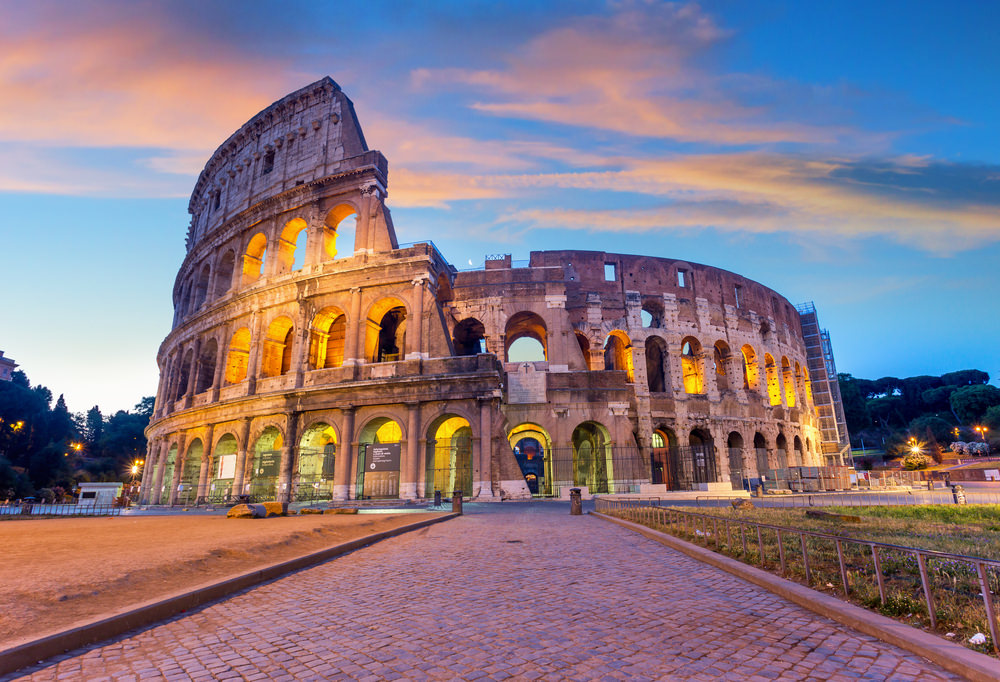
[{"x": 291, "y": 248}]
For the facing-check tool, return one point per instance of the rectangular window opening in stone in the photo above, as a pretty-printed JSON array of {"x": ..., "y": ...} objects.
[
  {"x": 609, "y": 272},
  {"x": 682, "y": 278},
  {"x": 216, "y": 200},
  {"x": 738, "y": 295},
  {"x": 268, "y": 163}
]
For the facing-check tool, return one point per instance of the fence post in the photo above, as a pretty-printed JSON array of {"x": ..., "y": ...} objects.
[
  {"x": 781, "y": 553},
  {"x": 878, "y": 573},
  {"x": 805, "y": 558},
  {"x": 743, "y": 539},
  {"x": 843, "y": 568},
  {"x": 760, "y": 543},
  {"x": 984, "y": 584},
  {"x": 922, "y": 565}
]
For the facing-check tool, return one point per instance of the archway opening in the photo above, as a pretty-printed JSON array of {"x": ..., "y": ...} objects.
[
  {"x": 254, "y": 259},
  {"x": 526, "y": 338},
  {"x": 168, "y": 475},
  {"x": 664, "y": 458},
  {"x": 737, "y": 468},
  {"x": 773, "y": 385},
  {"x": 656, "y": 364},
  {"x": 533, "y": 451},
  {"x": 592, "y": 465},
  {"x": 326, "y": 339},
  {"x": 317, "y": 459},
  {"x": 781, "y": 450},
  {"x": 799, "y": 455},
  {"x": 385, "y": 337},
  {"x": 238, "y": 357},
  {"x": 221, "y": 476},
  {"x": 191, "y": 474},
  {"x": 224, "y": 273},
  {"x": 206, "y": 366},
  {"x": 448, "y": 462},
  {"x": 379, "y": 457},
  {"x": 469, "y": 337},
  {"x": 691, "y": 365},
  {"x": 277, "y": 356},
  {"x": 760, "y": 453},
  {"x": 751, "y": 377},
  {"x": 618, "y": 353},
  {"x": 262, "y": 482},
  {"x": 789, "y": 381},
  {"x": 340, "y": 232},
  {"x": 702, "y": 456},
  {"x": 720, "y": 355}
]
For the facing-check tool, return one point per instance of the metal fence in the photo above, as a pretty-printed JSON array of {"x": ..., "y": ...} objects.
[
  {"x": 876, "y": 574},
  {"x": 854, "y": 499},
  {"x": 27, "y": 510}
]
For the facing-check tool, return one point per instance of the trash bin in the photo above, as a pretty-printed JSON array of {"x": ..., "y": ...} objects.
[
  {"x": 575, "y": 502},
  {"x": 437, "y": 498},
  {"x": 456, "y": 502}
]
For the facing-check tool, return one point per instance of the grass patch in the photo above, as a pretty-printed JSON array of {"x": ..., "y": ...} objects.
[{"x": 971, "y": 530}]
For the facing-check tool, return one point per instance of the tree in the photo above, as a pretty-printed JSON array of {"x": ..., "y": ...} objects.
[
  {"x": 992, "y": 418},
  {"x": 971, "y": 402},
  {"x": 94, "y": 425},
  {"x": 855, "y": 410},
  {"x": 965, "y": 377},
  {"x": 940, "y": 429}
]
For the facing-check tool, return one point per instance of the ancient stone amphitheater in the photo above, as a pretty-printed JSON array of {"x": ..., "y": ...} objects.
[{"x": 313, "y": 357}]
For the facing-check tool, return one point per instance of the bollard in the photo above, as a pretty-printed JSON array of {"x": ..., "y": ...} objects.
[
  {"x": 958, "y": 492},
  {"x": 930, "y": 484},
  {"x": 456, "y": 502},
  {"x": 759, "y": 492},
  {"x": 575, "y": 502},
  {"x": 437, "y": 498}
]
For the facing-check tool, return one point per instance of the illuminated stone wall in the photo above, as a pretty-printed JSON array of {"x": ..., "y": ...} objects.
[{"x": 306, "y": 343}]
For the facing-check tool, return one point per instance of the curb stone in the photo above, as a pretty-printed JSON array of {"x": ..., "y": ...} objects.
[
  {"x": 951, "y": 656},
  {"x": 151, "y": 612}
]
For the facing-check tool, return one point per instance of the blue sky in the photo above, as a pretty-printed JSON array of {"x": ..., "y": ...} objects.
[{"x": 845, "y": 153}]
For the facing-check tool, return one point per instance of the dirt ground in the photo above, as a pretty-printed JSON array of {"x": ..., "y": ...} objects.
[{"x": 56, "y": 572}]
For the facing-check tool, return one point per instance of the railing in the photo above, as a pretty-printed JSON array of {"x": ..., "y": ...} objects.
[
  {"x": 949, "y": 584},
  {"x": 24, "y": 510},
  {"x": 859, "y": 499}
]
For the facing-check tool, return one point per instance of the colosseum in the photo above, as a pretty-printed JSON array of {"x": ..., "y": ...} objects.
[{"x": 312, "y": 357}]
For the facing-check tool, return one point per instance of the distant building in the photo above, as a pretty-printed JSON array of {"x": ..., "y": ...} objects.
[{"x": 6, "y": 367}]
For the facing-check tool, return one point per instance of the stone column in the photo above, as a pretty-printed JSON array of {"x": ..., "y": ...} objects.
[
  {"x": 288, "y": 452},
  {"x": 345, "y": 459},
  {"x": 206, "y": 463},
  {"x": 220, "y": 365},
  {"x": 411, "y": 458},
  {"x": 354, "y": 328},
  {"x": 484, "y": 481},
  {"x": 148, "y": 470},
  {"x": 179, "y": 463},
  {"x": 414, "y": 331},
  {"x": 241, "y": 459},
  {"x": 161, "y": 465},
  {"x": 253, "y": 361},
  {"x": 300, "y": 352},
  {"x": 193, "y": 373}
]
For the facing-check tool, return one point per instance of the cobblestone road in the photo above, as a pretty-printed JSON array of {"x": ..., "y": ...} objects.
[{"x": 513, "y": 591}]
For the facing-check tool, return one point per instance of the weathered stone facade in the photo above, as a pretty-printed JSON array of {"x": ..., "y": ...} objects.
[{"x": 306, "y": 361}]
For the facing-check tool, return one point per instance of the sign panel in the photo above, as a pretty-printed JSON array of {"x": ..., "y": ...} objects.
[
  {"x": 268, "y": 464},
  {"x": 227, "y": 466},
  {"x": 383, "y": 457}
]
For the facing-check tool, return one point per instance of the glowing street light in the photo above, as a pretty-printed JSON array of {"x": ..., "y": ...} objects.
[{"x": 981, "y": 430}]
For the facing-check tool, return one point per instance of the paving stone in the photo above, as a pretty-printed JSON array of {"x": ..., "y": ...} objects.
[{"x": 576, "y": 598}]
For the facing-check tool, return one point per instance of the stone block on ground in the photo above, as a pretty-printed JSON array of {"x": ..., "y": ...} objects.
[
  {"x": 340, "y": 511},
  {"x": 275, "y": 508}
]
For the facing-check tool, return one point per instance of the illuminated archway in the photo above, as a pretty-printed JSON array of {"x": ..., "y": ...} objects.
[
  {"x": 190, "y": 476},
  {"x": 385, "y": 334},
  {"x": 789, "y": 381},
  {"x": 292, "y": 246},
  {"x": 277, "y": 356},
  {"x": 254, "y": 258},
  {"x": 379, "y": 459},
  {"x": 528, "y": 326},
  {"x": 326, "y": 339},
  {"x": 448, "y": 463},
  {"x": 664, "y": 458},
  {"x": 773, "y": 382},
  {"x": 592, "y": 465},
  {"x": 238, "y": 357},
  {"x": 262, "y": 477},
  {"x": 533, "y": 451},
  {"x": 340, "y": 232},
  {"x": 751, "y": 370},
  {"x": 692, "y": 366},
  {"x": 317, "y": 458},
  {"x": 223, "y": 470},
  {"x": 618, "y": 353},
  {"x": 168, "y": 474}
]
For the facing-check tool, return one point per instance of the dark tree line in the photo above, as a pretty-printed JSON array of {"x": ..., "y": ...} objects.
[
  {"x": 932, "y": 409},
  {"x": 45, "y": 448}
]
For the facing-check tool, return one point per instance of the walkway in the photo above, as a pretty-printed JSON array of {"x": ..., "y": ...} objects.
[{"x": 507, "y": 591}]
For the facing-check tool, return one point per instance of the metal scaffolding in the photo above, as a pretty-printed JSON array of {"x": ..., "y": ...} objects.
[{"x": 836, "y": 443}]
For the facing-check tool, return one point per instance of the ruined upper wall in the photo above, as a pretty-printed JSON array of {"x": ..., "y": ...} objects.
[{"x": 309, "y": 134}]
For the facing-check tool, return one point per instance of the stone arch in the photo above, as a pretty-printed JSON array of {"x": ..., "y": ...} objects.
[
  {"x": 592, "y": 460},
  {"x": 448, "y": 461},
  {"x": 238, "y": 356},
  {"x": 317, "y": 455},
  {"x": 721, "y": 357},
  {"x": 383, "y": 480},
  {"x": 702, "y": 450},
  {"x": 254, "y": 258},
  {"x": 773, "y": 381},
  {"x": 618, "y": 353},
  {"x": 760, "y": 454},
  {"x": 751, "y": 370},
  {"x": 276, "y": 358},
  {"x": 191, "y": 473},
  {"x": 292, "y": 245},
  {"x": 262, "y": 478},
  {"x": 201, "y": 287},
  {"x": 788, "y": 379},
  {"x": 327, "y": 335},
  {"x": 207, "y": 360},
  {"x": 224, "y": 273},
  {"x": 220, "y": 476},
  {"x": 526, "y": 325},
  {"x": 340, "y": 231},
  {"x": 584, "y": 343},
  {"x": 656, "y": 365},
  {"x": 385, "y": 332},
  {"x": 184, "y": 374},
  {"x": 692, "y": 365},
  {"x": 469, "y": 337},
  {"x": 532, "y": 448},
  {"x": 652, "y": 313},
  {"x": 664, "y": 458},
  {"x": 737, "y": 459},
  {"x": 781, "y": 451},
  {"x": 799, "y": 455},
  {"x": 169, "y": 465}
]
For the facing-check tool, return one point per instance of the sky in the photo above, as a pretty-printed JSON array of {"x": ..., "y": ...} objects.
[{"x": 845, "y": 153}]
